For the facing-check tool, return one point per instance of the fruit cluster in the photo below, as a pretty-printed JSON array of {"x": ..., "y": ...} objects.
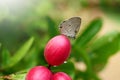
[{"x": 56, "y": 52}]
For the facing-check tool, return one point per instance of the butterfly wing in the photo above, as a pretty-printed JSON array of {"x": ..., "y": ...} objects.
[{"x": 70, "y": 27}]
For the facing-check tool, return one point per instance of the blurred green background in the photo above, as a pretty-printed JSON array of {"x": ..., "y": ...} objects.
[{"x": 27, "y": 25}]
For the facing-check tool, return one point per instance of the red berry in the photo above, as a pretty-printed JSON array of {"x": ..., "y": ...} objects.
[
  {"x": 39, "y": 73},
  {"x": 61, "y": 76},
  {"x": 57, "y": 50}
]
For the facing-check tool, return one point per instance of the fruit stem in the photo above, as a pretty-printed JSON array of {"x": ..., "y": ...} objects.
[{"x": 49, "y": 66}]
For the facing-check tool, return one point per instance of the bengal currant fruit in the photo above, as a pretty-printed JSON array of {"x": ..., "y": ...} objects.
[
  {"x": 57, "y": 50},
  {"x": 61, "y": 76},
  {"x": 39, "y": 73}
]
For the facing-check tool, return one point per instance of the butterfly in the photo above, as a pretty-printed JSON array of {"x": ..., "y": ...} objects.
[{"x": 70, "y": 27}]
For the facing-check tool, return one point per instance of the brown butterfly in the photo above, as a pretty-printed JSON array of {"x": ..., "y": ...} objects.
[{"x": 70, "y": 27}]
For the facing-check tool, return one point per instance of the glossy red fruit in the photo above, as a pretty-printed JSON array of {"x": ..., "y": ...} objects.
[
  {"x": 61, "y": 76},
  {"x": 57, "y": 50},
  {"x": 39, "y": 73}
]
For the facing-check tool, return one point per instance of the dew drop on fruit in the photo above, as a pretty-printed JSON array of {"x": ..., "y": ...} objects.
[
  {"x": 55, "y": 66},
  {"x": 65, "y": 61}
]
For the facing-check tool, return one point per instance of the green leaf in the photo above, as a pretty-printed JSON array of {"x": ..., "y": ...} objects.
[
  {"x": 85, "y": 76},
  {"x": 103, "y": 48},
  {"x": 0, "y": 45},
  {"x": 18, "y": 76},
  {"x": 20, "y": 53},
  {"x": 67, "y": 68},
  {"x": 41, "y": 58},
  {"x": 89, "y": 32},
  {"x": 119, "y": 44},
  {"x": 28, "y": 61},
  {"x": 52, "y": 30},
  {"x": 85, "y": 57},
  {"x": 5, "y": 57},
  {"x": 31, "y": 59}
]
